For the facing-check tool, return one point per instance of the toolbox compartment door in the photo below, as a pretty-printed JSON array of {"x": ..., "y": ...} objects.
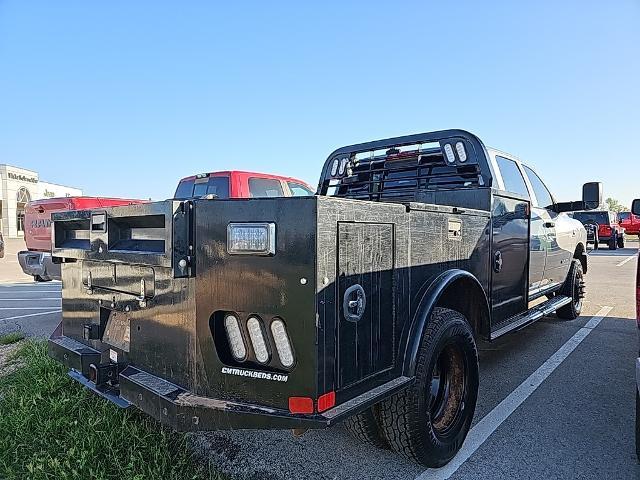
[{"x": 366, "y": 282}]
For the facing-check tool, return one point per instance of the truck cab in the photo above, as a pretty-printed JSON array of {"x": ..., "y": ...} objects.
[
  {"x": 555, "y": 238},
  {"x": 361, "y": 304},
  {"x": 238, "y": 184}
]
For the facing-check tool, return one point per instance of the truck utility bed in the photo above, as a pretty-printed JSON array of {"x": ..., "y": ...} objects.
[{"x": 126, "y": 297}]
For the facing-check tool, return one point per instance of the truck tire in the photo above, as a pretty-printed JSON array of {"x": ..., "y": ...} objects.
[
  {"x": 428, "y": 421},
  {"x": 621, "y": 241},
  {"x": 364, "y": 426},
  {"x": 613, "y": 242},
  {"x": 573, "y": 287}
]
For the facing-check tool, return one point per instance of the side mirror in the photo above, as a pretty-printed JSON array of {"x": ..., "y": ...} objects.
[
  {"x": 635, "y": 207},
  {"x": 592, "y": 195}
]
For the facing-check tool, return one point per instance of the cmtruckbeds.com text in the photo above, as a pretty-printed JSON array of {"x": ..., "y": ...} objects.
[{"x": 253, "y": 374}]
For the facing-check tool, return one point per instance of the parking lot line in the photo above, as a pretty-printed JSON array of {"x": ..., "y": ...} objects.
[
  {"x": 625, "y": 261},
  {"x": 29, "y": 299},
  {"x": 13, "y": 291},
  {"x": 29, "y": 315},
  {"x": 25, "y": 308},
  {"x": 485, "y": 427}
]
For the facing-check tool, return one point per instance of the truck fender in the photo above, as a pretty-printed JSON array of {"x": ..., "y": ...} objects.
[{"x": 446, "y": 291}]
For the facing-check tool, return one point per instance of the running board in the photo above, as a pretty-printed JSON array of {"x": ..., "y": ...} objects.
[{"x": 523, "y": 319}]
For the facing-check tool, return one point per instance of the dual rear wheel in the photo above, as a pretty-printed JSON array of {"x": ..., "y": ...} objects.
[{"x": 428, "y": 421}]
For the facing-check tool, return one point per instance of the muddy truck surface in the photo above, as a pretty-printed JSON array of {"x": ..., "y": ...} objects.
[{"x": 360, "y": 304}]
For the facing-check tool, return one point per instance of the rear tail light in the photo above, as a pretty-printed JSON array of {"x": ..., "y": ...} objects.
[
  {"x": 281, "y": 339},
  {"x": 254, "y": 325},
  {"x": 326, "y": 401},
  {"x": 234, "y": 335},
  {"x": 300, "y": 405}
]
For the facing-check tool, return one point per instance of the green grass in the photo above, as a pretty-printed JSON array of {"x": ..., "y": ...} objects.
[
  {"x": 10, "y": 338},
  {"x": 51, "y": 428}
]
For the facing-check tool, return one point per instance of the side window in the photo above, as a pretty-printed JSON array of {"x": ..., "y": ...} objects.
[
  {"x": 185, "y": 189},
  {"x": 513, "y": 181},
  {"x": 542, "y": 192},
  {"x": 265, "y": 187},
  {"x": 218, "y": 186},
  {"x": 298, "y": 190}
]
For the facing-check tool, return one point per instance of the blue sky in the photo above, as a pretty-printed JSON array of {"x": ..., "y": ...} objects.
[{"x": 124, "y": 98}]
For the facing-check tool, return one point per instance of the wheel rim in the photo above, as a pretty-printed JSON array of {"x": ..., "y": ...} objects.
[{"x": 448, "y": 382}]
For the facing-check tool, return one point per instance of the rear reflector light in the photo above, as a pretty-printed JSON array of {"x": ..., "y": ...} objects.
[
  {"x": 326, "y": 401},
  {"x": 234, "y": 335},
  {"x": 257, "y": 340},
  {"x": 300, "y": 405},
  {"x": 281, "y": 339}
]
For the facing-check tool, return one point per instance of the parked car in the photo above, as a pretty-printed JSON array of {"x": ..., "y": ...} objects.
[
  {"x": 1, "y": 246},
  {"x": 360, "y": 304},
  {"x": 630, "y": 223},
  {"x": 36, "y": 260},
  {"x": 609, "y": 231},
  {"x": 237, "y": 184},
  {"x": 635, "y": 209}
]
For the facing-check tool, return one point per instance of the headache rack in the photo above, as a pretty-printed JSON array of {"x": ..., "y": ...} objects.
[
  {"x": 404, "y": 169},
  {"x": 398, "y": 176}
]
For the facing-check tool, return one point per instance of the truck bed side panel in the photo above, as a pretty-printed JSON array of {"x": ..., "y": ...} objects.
[{"x": 393, "y": 252}]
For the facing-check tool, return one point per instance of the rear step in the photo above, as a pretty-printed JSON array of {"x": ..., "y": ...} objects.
[{"x": 523, "y": 319}]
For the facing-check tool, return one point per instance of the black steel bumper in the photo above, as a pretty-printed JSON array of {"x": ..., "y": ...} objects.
[{"x": 183, "y": 411}]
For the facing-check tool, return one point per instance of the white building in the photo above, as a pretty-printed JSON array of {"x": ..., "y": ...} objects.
[{"x": 17, "y": 187}]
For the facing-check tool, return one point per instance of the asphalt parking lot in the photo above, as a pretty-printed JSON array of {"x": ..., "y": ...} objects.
[{"x": 556, "y": 399}]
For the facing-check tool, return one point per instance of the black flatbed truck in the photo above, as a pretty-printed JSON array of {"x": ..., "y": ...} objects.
[{"x": 360, "y": 304}]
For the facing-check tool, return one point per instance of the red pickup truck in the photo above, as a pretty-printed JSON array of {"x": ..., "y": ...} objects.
[
  {"x": 238, "y": 184},
  {"x": 630, "y": 223},
  {"x": 36, "y": 260},
  {"x": 605, "y": 227}
]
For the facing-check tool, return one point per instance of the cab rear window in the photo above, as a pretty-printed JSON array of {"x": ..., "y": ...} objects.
[
  {"x": 199, "y": 187},
  {"x": 265, "y": 187}
]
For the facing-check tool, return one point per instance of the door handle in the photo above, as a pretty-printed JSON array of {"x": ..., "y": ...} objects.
[
  {"x": 354, "y": 303},
  {"x": 497, "y": 262},
  {"x": 549, "y": 224}
]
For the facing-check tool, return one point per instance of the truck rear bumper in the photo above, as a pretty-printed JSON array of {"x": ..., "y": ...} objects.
[
  {"x": 181, "y": 410},
  {"x": 40, "y": 264}
]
